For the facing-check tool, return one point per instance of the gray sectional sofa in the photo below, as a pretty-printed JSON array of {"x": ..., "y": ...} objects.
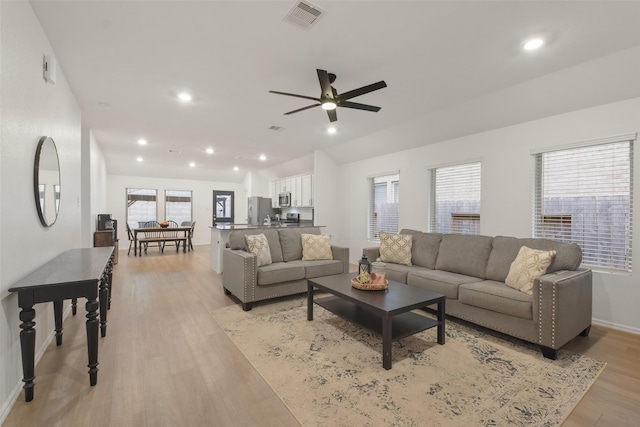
[
  {"x": 470, "y": 271},
  {"x": 286, "y": 275}
]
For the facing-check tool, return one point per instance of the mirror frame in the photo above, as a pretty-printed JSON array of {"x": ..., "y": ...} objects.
[{"x": 36, "y": 181}]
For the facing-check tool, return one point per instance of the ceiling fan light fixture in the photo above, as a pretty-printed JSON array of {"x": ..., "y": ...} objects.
[{"x": 329, "y": 105}]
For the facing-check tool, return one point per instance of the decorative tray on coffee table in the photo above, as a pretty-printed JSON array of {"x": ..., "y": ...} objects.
[{"x": 369, "y": 286}]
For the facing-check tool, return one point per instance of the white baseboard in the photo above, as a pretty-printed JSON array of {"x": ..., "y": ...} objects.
[{"x": 616, "y": 326}]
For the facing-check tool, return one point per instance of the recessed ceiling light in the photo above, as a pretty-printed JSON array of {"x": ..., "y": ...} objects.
[
  {"x": 328, "y": 106},
  {"x": 533, "y": 44},
  {"x": 139, "y": 159},
  {"x": 263, "y": 157},
  {"x": 209, "y": 150},
  {"x": 185, "y": 96},
  {"x": 142, "y": 141},
  {"x": 331, "y": 130},
  {"x": 235, "y": 168},
  {"x": 192, "y": 164},
  {"x": 104, "y": 105}
]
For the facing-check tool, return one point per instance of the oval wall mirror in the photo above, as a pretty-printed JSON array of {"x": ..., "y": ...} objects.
[{"x": 46, "y": 180}]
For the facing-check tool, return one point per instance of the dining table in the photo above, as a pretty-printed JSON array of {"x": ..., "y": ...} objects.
[{"x": 186, "y": 238}]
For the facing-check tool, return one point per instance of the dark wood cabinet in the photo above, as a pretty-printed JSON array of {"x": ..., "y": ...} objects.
[{"x": 106, "y": 238}]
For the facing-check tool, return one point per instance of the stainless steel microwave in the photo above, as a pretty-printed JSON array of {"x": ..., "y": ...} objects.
[{"x": 284, "y": 200}]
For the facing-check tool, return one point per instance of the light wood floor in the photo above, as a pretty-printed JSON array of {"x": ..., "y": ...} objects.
[{"x": 166, "y": 362}]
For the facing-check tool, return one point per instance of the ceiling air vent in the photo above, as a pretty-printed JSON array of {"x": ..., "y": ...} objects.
[
  {"x": 276, "y": 128},
  {"x": 304, "y": 14}
]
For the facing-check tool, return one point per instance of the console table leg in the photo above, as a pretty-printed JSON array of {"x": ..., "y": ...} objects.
[
  {"x": 92, "y": 340},
  {"x": 386, "y": 341},
  {"x": 74, "y": 306},
  {"x": 103, "y": 296},
  {"x": 28, "y": 349},
  {"x": 110, "y": 269},
  {"x": 57, "y": 316}
]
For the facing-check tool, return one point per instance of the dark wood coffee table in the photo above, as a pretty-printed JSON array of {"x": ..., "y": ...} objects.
[{"x": 385, "y": 313}]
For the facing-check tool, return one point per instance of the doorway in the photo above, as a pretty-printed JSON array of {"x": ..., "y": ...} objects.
[{"x": 223, "y": 206}]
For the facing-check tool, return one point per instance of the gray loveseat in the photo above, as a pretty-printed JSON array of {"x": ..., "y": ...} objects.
[
  {"x": 471, "y": 270},
  {"x": 286, "y": 275}
]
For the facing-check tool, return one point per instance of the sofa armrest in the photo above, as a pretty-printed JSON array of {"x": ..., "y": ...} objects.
[
  {"x": 240, "y": 270},
  {"x": 372, "y": 253},
  {"x": 341, "y": 254},
  {"x": 562, "y": 303}
]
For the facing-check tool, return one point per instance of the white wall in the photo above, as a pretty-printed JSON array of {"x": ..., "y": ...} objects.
[
  {"x": 31, "y": 108},
  {"x": 507, "y": 177},
  {"x": 202, "y": 201}
]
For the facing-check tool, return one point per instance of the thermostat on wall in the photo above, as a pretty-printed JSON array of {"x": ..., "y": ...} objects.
[{"x": 49, "y": 69}]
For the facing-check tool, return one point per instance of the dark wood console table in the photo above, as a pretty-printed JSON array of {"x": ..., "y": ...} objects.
[{"x": 77, "y": 273}]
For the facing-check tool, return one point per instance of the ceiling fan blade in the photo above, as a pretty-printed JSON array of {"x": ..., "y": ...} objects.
[
  {"x": 296, "y": 95},
  {"x": 357, "y": 106},
  {"x": 332, "y": 115},
  {"x": 325, "y": 84},
  {"x": 301, "y": 109},
  {"x": 361, "y": 91}
]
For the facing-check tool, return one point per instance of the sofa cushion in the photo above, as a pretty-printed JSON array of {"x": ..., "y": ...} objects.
[
  {"x": 505, "y": 249},
  {"x": 280, "y": 272},
  {"x": 528, "y": 266},
  {"x": 424, "y": 250},
  {"x": 236, "y": 241},
  {"x": 291, "y": 241},
  {"x": 397, "y": 272},
  {"x": 395, "y": 248},
  {"x": 258, "y": 245},
  {"x": 322, "y": 268},
  {"x": 496, "y": 296},
  {"x": 464, "y": 254},
  {"x": 442, "y": 282},
  {"x": 316, "y": 247}
]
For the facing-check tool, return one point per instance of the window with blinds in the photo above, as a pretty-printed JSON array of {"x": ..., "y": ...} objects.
[
  {"x": 141, "y": 206},
  {"x": 584, "y": 195},
  {"x": 177, "y": 206},
  {"x": 383, "y": 205},
  {"x": 455, "y": 199}
]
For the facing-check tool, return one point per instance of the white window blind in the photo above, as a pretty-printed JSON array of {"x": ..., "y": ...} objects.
[
  {"x": 455, "y": 199},
  {"x": 585, "y": 195},
  {"x": 177, "y": 206},
  {"x": 383, "y": 204}
]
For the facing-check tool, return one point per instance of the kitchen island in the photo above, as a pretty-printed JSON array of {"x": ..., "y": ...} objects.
[{"x": 220, "y": 237}]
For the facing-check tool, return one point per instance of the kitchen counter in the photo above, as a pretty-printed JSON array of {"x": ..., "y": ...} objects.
[
  {"x": 274, "y": 224},
  {"x": 220, "y": 237}
]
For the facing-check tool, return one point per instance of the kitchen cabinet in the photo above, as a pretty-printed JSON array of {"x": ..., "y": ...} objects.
[
  {"x": 300, "y": 187},
  {"x": 306, "y": 193}
]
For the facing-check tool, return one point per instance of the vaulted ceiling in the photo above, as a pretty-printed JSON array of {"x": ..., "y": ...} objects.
[{"x": 452, "y": 68}]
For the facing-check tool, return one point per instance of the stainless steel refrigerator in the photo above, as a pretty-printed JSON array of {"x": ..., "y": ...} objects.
[{"x": 259, "y": 208}]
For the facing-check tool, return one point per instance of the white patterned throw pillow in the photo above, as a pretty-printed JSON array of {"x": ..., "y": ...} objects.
[
  {"x": 528, "y": 266},
  {"x": 316, "y": 247},
  {"x": 395, "y": 248},
  {"x": 258, "y": 245}
]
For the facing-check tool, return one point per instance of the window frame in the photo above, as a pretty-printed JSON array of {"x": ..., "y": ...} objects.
[
  {"x": 611, "y": 257},
  {"x": 142, "y": 198},
  {"x": 166, "y": 200},
  {"x": 455, "y": 212},
  {"x": 392, "y": 186}
]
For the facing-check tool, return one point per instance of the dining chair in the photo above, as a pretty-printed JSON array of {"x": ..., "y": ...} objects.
[
  {"x": 151, "y": 236},
  {"x": 169, "y": 234},
  {"x": 130, "y": 237},
  {"x": 190, "y": 235}
]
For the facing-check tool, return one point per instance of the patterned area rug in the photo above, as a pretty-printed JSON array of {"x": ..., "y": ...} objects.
[{"x": 329, "y": 372}]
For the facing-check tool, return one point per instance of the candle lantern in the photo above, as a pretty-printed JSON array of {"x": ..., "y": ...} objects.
[{"x": 364, "y": 266}]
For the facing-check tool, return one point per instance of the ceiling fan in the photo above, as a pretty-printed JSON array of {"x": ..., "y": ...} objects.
[{"x": 330, "y": 99}]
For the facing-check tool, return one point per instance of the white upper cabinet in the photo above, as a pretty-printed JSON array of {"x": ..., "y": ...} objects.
[{"x": 300, "y": 187}]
